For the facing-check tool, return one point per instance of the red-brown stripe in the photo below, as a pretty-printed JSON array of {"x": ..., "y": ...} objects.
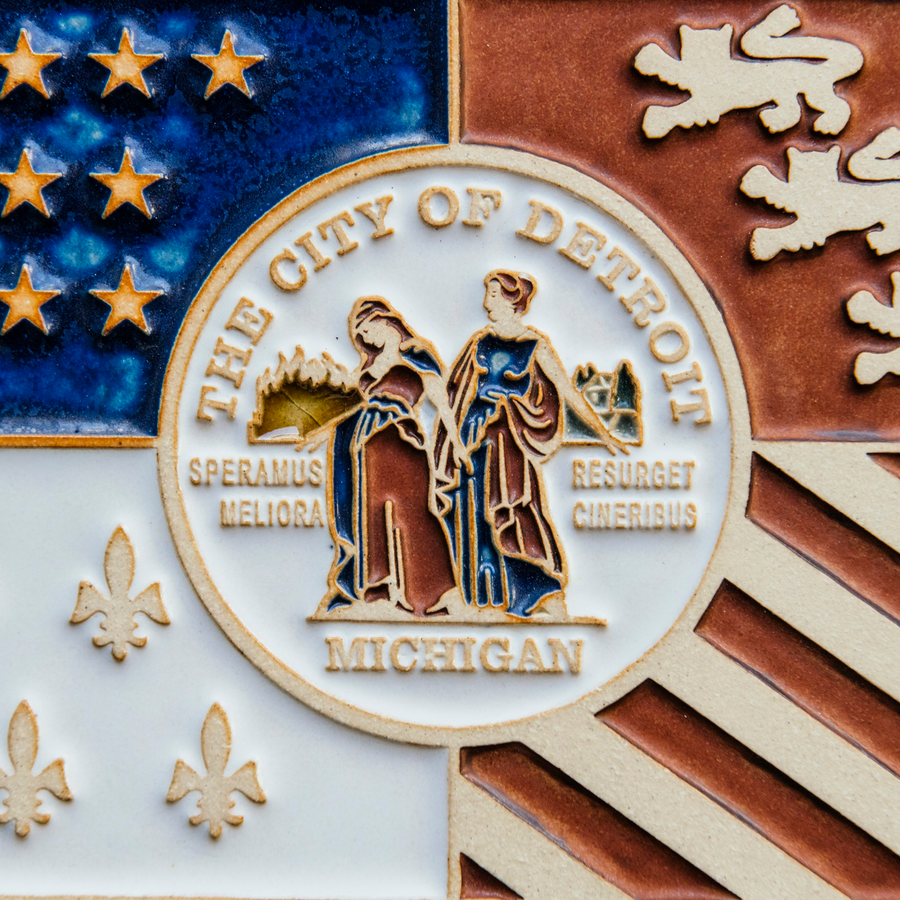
[
  {"x": 584, "y": 826},
  {"x": 889, "y": 461},
  {"x": 825, "y": 537},
  {"x": 750, "y": 788},
  {"x": 478, "y": 884},
  {"x": 805, "y": 673}
]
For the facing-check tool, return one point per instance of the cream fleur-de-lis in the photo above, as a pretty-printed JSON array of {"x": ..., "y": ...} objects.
[
  {"x": 22, "y": 786},
  {"x": 215, "y": 803},
  {"x": 119, "y": 609}
]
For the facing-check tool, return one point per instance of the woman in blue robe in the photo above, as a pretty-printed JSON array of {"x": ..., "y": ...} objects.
[{"x": 506, "y": 390}]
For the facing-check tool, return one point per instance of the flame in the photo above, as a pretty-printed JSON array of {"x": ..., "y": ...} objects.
[{"x": 300, "y": 370}]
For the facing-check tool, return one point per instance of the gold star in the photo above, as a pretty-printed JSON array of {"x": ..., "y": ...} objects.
[
  {"x": 227, "y": 67},
  {"x": 23, "y": 66},
  {"x": 25, "y": 186},
  {"x": 125, "y": 66},
  {"x": 25, "y": 303},
  {"x": 126, "y": 186},
  {"x": 126, "y": 304}
]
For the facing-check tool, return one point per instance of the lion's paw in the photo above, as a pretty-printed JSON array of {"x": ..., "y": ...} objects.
[
  {"x": 653, "y": 60},
  {"x": 657, "y": 121},
  {"x": 782, "y": 20},
  {"x": 757, "y": 181},
  {"x": 833, "y": 121},
  {"x": 765, "y": 243},
  {"x": 781, "y": 116},
  {"x": 883, "y": 241}
]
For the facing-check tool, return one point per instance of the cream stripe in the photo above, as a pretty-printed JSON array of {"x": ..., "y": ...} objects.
[
  {"x": 691, "y": 824},
  {"x": 815, "y": 604},
  {"x": 782, "y": 733},
  {"x": 454, "y": 76},
  {"x": 517, "y": 854},
  {"x": 843, "y": 475},
  {"x": 103, "y": 442}
]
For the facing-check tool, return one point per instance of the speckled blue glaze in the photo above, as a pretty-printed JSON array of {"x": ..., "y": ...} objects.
[{"x": 339, "y": 82}]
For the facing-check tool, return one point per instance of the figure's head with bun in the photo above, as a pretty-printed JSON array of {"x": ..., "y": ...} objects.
[
  {"x": 375, "y": 326},
  {"x": 508, "y": 295}
]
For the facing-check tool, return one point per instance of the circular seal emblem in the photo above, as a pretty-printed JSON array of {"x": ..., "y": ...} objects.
[{"x": 450, "y": 438}]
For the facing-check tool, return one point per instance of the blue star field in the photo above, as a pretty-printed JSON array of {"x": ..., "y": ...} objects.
[{"x": 339, "y": 82}]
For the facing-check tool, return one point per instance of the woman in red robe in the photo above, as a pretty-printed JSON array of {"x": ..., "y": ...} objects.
[{"x": 389, "y": 542}]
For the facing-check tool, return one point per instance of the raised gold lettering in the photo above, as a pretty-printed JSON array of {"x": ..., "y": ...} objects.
[
  {"x": 427, "y": 213},
  {"x": 336, "y": 224},
  {"x": 579, "y": 248},
  {"x": 376, "y": 217},
  {"x": 278, "y": 279},
  {"x": 701, "y": 406},
  {"x": 396, "y": 646},
  {"x": 247, "y": 322},
  {"x": 625, "y": 262},
  {"x": 537, "y": 211},
  {"x": 684, "y": 342},
  {"x": 482, "y": 203},
  {"x": 641, "y": 295},
  {"x": 207, "y": 403},
  {"x": 319, "y": 260},
  {"x": 235, "y": 376}
]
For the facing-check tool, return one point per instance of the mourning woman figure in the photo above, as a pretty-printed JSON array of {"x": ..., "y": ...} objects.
[
  {"x": 506, "y": 390},
  {"x": 389, "y": 543}
]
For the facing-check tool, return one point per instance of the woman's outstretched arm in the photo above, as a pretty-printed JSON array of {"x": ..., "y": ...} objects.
[{"x": 550, "y": 363}]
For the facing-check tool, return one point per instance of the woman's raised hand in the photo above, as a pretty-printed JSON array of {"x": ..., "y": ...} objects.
[{"x": 314, "y": 441}]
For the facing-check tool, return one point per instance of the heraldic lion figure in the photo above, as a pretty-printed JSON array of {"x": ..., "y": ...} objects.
[
  {"x": 719, "y": 83},
  {"x": 825, "y": 205}
]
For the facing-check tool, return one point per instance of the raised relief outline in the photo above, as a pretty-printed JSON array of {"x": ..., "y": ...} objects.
[
  {"x": 639, "y": 304},
  {"x": 825, "y": 205},
  {"x": 118, "y": 609},
  {"x": 21, "y": 785},
  {"x": 379, "y": 402},
  {"x": 614, "y": 772},
  {"x": 215, "y": 788},
  {"x": 866, "y": 309},
  {"x": 720, "y": 83}
]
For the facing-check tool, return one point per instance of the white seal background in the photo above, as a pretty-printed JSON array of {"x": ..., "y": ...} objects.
[{"x": 271, "y": 579}]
